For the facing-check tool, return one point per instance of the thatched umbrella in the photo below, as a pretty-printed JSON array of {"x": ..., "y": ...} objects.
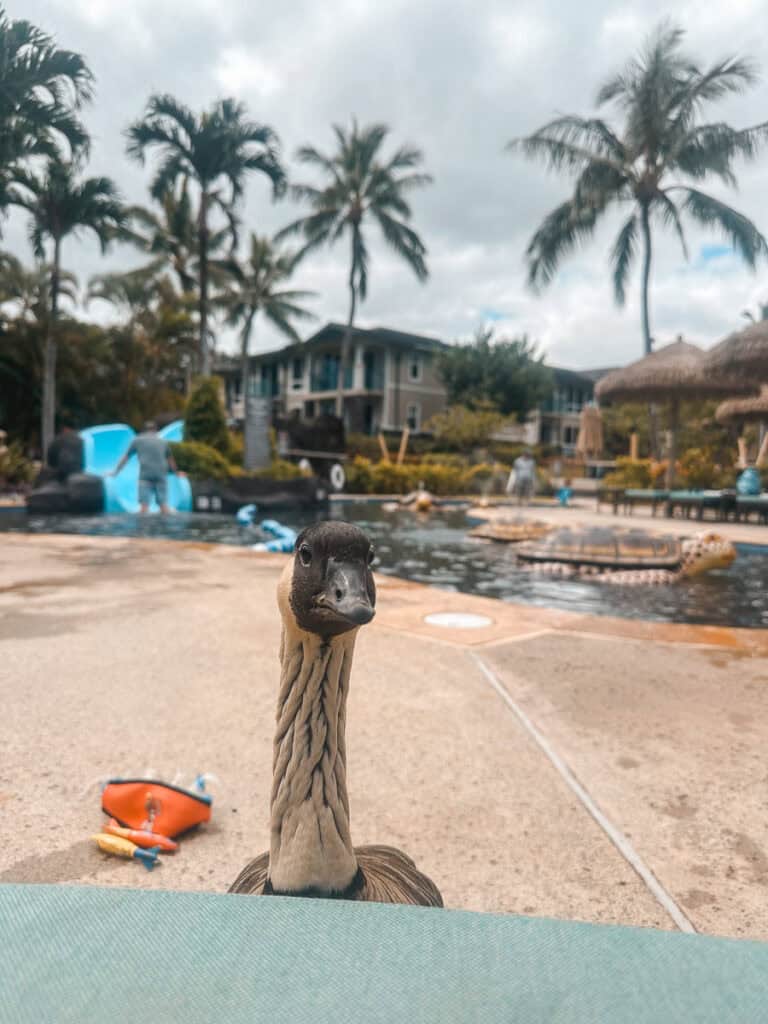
[
  {"x": 747, "y": 410},
  {"x": 672, "y": 375},
  {"x": 743, "y": 353},
  {"x": 590, "y": 439}
]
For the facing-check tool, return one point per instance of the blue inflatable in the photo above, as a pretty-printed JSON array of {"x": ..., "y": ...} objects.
[
  {"x": 748, "y": 483},
  {"x": 285, "y": 537},
  {"x": 103, "y": 448}
]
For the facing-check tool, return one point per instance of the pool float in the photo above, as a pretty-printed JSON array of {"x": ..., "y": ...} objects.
[
  {"x": 627, "y": 556},
  {"x": 146, "y": 840},
  {"x": 284, "y": 536}
]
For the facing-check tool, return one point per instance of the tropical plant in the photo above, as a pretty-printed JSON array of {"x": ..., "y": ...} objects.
[
  {"x": 507, "y": 373},
  {"x": 662, "y": 141},
  {"x": 361, "y": 186},
  {"x": 204, "y": 419},
  {"x": 257, "y": 288},
  {"x": 460, "y": 428},
  {"x": 215, "y": 150},
  {"x": 200, "y": 461},
  {"x": 170, "y": 237},
  {"x": 28, "y": 290},
  {"x": 60, "y": 205},
  {"x": 42, "y": 87}
]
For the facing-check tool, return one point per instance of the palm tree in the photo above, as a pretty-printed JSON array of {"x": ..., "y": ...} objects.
[
  {"x": 361, "y": 186},
  {"x": 61, "y": 205},
  {"x": 170, "y": 237},
  {"x": 659, "y": 96},
  {"x": 30, "y": 289},
  {"x": 42, "y": 87},
  {"x": 215, "y": 149},
  {"x": 257, "y": 289}
]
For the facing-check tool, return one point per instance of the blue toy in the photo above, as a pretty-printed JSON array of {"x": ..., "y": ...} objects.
[
  {"x": 748, "y": 483},
  {"x": 285, "y": 537},
  {"x": 563, "y": 495}
]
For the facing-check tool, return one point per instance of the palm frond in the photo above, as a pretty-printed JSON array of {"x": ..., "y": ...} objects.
[
  {"x": 670, "y": 216},
  {"x": 738, "y": 229},
  {"x": 622, "y": 257}
]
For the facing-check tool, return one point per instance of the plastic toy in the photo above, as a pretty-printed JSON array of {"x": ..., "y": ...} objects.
[
  {"x": 146, "y": 840},
  {"x": 152, "y": 806},
  {"x": 120, "y": 847}
]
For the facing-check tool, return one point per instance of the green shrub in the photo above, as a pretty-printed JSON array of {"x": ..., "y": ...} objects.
[
  {"x": 631, "y": 473},
  {"x": 279, "y": 469},
  {"x": 204, "y": 419},
  {"x": 236, "y": 451},
  {"x": 359, "y": 475},
  {"x": 200, "y": 461},
  {"x": 389, "y": 478},
  {"x": 438, "y": 478},
  {"x": 486, "y": 478},
  {"x": 460, "y": 429},
  {"x": 14, "y": 467},
  {"x": 443, "y": 459}
]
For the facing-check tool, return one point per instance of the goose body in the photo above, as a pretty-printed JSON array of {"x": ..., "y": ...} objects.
[{"x": 325, "y": 595}]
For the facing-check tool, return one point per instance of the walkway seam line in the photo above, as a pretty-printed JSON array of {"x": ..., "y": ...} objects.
[{"x": 616, "y": 836}]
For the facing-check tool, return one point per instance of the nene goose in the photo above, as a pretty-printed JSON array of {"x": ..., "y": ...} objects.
[{"x": 325, "y": 594}]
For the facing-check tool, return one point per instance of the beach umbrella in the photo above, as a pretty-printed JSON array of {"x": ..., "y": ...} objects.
[
  {"x": 747, "y": 410},
  {"x": 590, "y": 439},
  {"x": 742, "y": 353},
  {"x": 670, "y": 376}
]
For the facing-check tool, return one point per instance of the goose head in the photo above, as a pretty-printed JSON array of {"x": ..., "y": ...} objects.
[{"x": 328, "y": 588}]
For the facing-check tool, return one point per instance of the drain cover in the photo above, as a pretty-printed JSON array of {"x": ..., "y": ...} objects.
[{"x": 458, "y": 620}]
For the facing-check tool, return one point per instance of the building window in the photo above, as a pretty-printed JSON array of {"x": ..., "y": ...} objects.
[
  {"x": 414, "y": 368},
  {"x": 413, "y": 417},
  {"x": 297, "y": 374}
]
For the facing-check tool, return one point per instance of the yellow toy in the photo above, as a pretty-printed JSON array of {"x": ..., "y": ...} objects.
[{"x": 120, "y": 847}]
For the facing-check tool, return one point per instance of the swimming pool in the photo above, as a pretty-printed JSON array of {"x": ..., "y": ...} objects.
[{"x": 436, "y": 550}]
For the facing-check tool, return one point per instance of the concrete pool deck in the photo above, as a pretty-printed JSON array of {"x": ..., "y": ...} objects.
[{"x": 548, "y": 763}]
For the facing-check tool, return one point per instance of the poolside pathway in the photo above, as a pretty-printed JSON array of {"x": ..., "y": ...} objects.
[{"x": 122, "y": 655}]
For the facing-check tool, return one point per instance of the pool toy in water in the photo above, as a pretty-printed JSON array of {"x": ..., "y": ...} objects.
[
  {"x": 284, "y": 536},
  {"x": 120, "y": 847},
  {"x": 146, "y": 840}
]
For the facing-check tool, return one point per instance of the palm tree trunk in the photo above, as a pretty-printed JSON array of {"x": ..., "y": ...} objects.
[
  {"x": 674, "y": 426},
  {"x": 653, "y": 418},
  {"x": 48, "y": 424},
  {"x": 346, "y": 344},
  {"x": 244, "y": 374},
  {"x": 202, "y": 235}
]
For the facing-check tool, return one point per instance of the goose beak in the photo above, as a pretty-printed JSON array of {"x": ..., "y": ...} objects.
[{"x": 346, "y": 593}]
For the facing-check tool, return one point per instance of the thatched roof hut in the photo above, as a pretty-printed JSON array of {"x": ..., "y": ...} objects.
[
  {"x": 743, "y": 352},
  {"x": 670, "y": 374},
  {"x": 744, "y": 410}
]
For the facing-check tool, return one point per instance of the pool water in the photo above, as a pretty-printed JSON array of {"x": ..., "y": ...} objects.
[{"x": 436, "y": 550}]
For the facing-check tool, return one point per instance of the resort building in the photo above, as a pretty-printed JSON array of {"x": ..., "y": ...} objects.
[{"x": 390, "y": 381}]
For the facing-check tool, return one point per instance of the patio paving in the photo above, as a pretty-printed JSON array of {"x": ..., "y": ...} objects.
[{"x": 124, "y": 655}]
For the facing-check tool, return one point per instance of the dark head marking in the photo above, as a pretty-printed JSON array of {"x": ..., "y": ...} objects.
[{"x": 332, "y": 590}]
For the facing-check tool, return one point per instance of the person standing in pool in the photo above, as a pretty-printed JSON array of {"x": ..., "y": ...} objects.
[
  {"x": 155, "y": 461},
  {"x": 523, "y": 477}
]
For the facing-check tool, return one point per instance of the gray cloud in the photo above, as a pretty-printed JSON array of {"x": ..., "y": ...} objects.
[{"x": 458, "y": 79}]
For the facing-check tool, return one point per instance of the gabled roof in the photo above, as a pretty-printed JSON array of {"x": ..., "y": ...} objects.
[
  {"x": 571, "y": 378},
  {"x": 333, "y": 331}
]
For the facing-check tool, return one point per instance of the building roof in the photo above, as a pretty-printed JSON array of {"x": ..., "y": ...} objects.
[
  {"x": 571, "y": 378},
  {"x": 332, "y": 332}
]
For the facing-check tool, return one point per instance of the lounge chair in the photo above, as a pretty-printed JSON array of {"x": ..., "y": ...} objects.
[
  {"x": 721, "y": 503},
  {"x": 639, "y": 496},
  {"x": 746, "y": 504}
]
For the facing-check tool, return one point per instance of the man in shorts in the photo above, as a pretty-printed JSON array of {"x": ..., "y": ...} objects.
[{"x": 155, "y": 460}]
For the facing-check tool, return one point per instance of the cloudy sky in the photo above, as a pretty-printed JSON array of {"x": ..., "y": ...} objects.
[{"x": 459, "y": 79}]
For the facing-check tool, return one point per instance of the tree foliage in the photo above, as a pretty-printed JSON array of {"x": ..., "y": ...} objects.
[
  {"x": 204, "y": 419},
  {"x": 507, "y": 373},
  {"x": 460, "y": 429},
  {"x": 649, "y": 164},
  {"x": 361, "y": 186}
]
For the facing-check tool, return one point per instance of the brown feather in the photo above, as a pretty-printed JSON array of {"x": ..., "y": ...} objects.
[{"x": 388, "y": 876}]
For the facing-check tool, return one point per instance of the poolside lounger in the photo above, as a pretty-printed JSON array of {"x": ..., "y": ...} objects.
[
  {"x": 640, "y": 496},
  {"x": 747, "y": 504},
  {"x": 722, "y": 503}
]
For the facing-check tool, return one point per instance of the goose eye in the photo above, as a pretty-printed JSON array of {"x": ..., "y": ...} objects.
[{"x": 305, "y": 554}]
